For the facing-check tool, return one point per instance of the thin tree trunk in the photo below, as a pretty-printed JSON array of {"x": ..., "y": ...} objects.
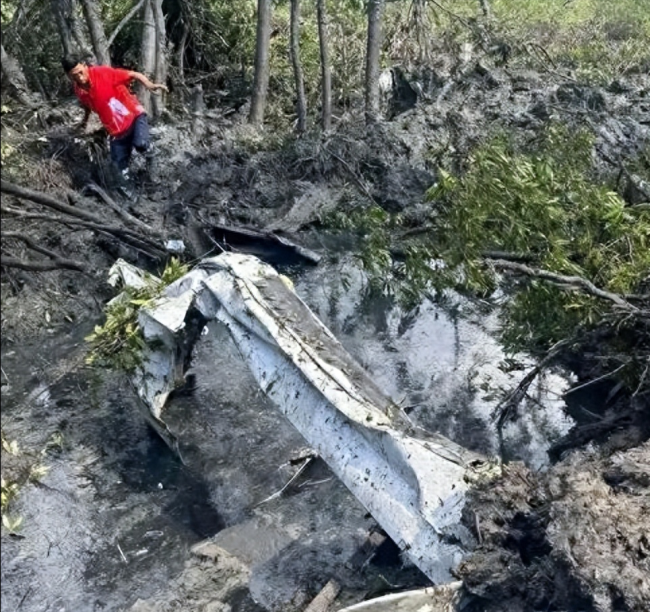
[
  {"x": 180, "y": 54},
  {"x": 75, "y": 25},
  {"x": 325, "y": 70},
  {"x": 14, "y": 77},
  {"x": 118, "y": 28},
  {"x": 294, "y": 52},
  {"x": 65, "y": 33},
  {"x": 375, "y": 9},
  {"x": 96, "y": 28},
  {"x": 160, "y": 71},
  {"x": 485, "y": 8},
  {"x": 148, "y": 53},
  {"x": 261, "y": 78}
]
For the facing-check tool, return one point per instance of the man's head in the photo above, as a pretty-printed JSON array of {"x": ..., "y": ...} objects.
[{"x": 76, "y": 69}]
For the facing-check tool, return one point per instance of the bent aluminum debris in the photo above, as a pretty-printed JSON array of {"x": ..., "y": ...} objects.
[{"x": 411, "y": 481}]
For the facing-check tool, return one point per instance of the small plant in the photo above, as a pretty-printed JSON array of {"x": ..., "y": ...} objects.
[
  {"x": 22, "y": 471},
  {"x": 118, "y": 343}
]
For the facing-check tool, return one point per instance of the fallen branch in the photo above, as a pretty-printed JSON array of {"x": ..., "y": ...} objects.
[
  {"x": 325, "y": 598},
  {"x": 57, "y": 262},
  {"x": 507, "y": 407},
  {"x": 132, "y": 239},
  {"x": 129, "y": 218},
  {"x": 561, "y": 279},
  {"x": 80, "y": 218},
  {"x": 42, "y": 266},
  {"x": 48, "y": 201}
]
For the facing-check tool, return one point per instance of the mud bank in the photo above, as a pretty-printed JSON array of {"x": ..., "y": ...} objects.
[{"x": 573, "y": 538}]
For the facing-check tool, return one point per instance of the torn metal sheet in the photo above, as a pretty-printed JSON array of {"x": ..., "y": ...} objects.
[{"x": 412, "y": 482}]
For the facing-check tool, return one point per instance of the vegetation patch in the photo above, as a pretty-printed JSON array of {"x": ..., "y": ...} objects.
[
  {"x": 118, "y": 343},
  {"x": 20, "y": 468}
]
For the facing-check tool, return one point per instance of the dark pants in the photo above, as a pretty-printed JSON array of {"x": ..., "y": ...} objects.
[{"x": 137, "y": 137}]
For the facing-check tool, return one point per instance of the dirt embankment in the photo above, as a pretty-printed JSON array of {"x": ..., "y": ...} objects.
[{"x": 574, "y": 538}]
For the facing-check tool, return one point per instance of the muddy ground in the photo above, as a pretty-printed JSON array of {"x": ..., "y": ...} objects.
[{"x": 572, "y": 538}]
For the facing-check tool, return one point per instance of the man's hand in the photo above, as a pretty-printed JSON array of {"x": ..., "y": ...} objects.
[
  {"x": 82, "y": 126},
  {"x": 156, "y": 88},
  {"x": 152, "y": 87}
]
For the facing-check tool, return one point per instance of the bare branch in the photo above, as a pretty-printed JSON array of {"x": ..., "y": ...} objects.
[
  {"x": 47, "y": 200},
  {"x": 41, "y": 266},
  {"x": 125, "y": 20},
  {"x": 576, "y": 281},
  {"x": 508, "y": 405},
  {"x": 31, "y": 244},
  {"x": 89, "y": 220},
  {"x": 57, "y": 262}
]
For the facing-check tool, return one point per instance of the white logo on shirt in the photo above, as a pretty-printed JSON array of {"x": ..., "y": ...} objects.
[{"x": 119, "y": 110}]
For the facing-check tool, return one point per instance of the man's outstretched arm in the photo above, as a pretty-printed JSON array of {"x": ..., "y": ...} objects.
[{"x": 150, "y": 85}]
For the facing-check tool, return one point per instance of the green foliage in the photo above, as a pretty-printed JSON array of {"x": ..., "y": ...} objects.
[
  {"x": 118, "y": 343},
  {"x": 543, "y": 204},
  {"x": 598, "y": 38},
  {"x": 546, "y": 206}
]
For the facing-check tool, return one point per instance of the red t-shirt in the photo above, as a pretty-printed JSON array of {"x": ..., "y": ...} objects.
[{"x": 110, "y": 98}]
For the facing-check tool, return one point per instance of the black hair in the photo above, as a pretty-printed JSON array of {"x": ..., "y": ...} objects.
[{"x": 70, "y": 61}]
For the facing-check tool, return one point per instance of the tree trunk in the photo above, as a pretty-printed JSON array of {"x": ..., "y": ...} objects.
[
  {"x": 375, "y": 9},
  {"x": 294, "y": 52},
  {"x": 261, "y": 78},
  {"x": 148, "y": 53},
  {"x": 325, "y": 70},
  {"x": 75, "y": 25},
  {"x": 13, "y": 77},
  {"x": 65, "y": 32},
  {"x": 96, "y": 29},
  {"x": 160, "y": 71},
  {"x": 180, "y": 53},
  {"x": 485, "y": 8}
]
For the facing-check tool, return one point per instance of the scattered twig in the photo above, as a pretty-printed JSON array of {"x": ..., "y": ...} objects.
[
  {"x": 595, "y": 380},
  {"x": 279, "y": 493},
  {"x": 353, "y": 174},
  {"x": 122, "y": 553},
  {"x": 452, "y": 14},
  {"x": 642, "y": 380}
]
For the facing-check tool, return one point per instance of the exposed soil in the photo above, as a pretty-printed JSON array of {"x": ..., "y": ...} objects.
[{"x": 573, "y": 538}]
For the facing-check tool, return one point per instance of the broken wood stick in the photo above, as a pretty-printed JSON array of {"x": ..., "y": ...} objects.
[{"x": 325, "y": 598}]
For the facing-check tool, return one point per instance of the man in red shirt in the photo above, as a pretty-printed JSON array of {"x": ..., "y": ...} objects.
[{"x": 104, "y": 90}]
